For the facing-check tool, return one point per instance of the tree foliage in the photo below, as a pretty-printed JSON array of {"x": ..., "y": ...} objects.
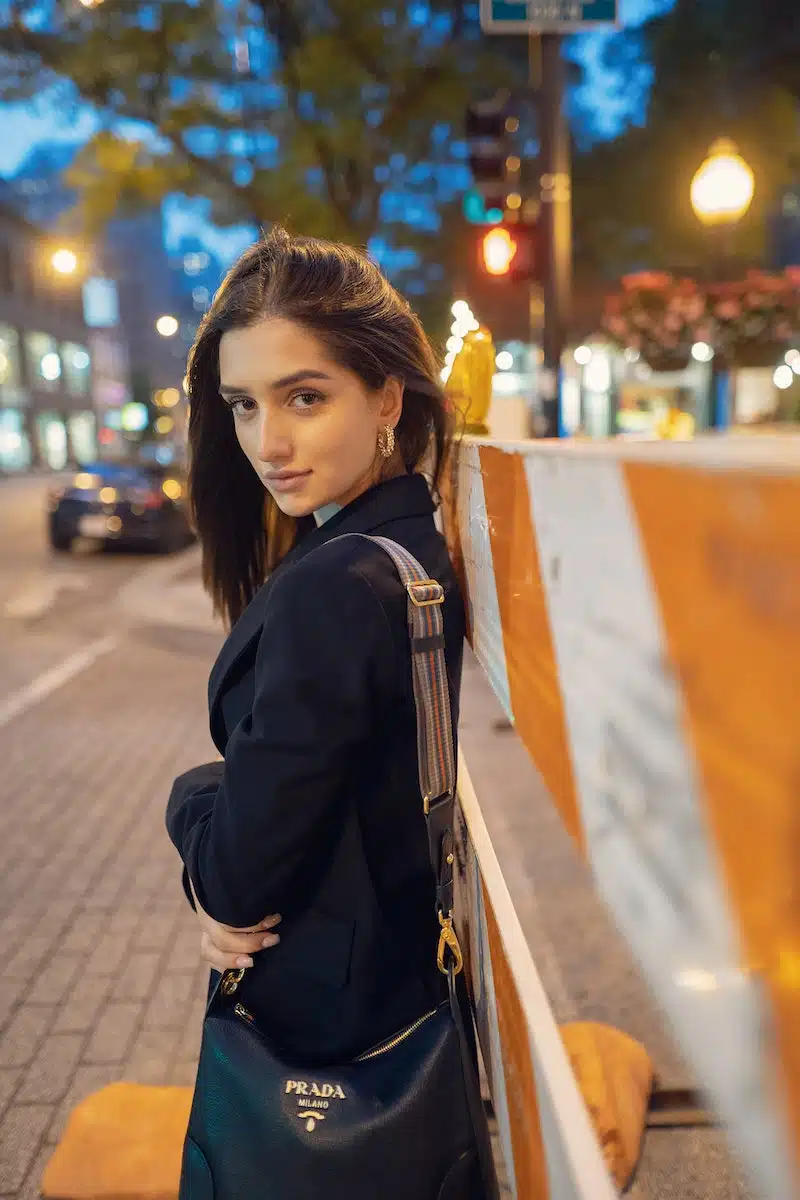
[
  {"x": 719, "y": 68},
  {"x": 317, "y": 113}
]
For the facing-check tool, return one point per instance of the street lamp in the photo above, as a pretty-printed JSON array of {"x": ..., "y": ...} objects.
[
  {"x": 723, "y": 186},
  {"x": 721, "y": 193},
  {"x": 167, "y": 326},
  {"x": 64, "y": 261}
]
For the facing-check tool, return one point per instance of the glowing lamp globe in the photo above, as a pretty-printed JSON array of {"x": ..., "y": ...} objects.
[{"x": 723, "y": 187}]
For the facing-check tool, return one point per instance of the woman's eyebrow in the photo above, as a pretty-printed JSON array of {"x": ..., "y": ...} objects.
[{"x": 277, "y": 384}]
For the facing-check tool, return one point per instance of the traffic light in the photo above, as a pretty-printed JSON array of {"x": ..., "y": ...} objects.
[
  {"x": 488, "y": 125},
  {"x": 509, "y": 252},
  {"x": 499, "y": 251}
]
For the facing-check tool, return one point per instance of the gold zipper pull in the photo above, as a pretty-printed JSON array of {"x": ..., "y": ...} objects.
[{"x": 448, "y": 939}]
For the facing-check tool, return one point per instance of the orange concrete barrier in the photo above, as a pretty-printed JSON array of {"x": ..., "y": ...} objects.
[{"x": 636, "y": 609}]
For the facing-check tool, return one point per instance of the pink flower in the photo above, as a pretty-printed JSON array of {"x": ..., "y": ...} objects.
[
  {"x": 655, "y": 281},
  {"x": 695, "y": 308},
  {"x": 728, "y": 310},
  {"x": 673, "y": 323}
]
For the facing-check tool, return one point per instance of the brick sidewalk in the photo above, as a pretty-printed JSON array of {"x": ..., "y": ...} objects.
[{"x": 101, "y": 978}]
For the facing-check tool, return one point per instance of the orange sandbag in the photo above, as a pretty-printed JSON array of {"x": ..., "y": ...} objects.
[
  {"x": 124, "y": 1142},
  {"x": 615, "y": 1076}
]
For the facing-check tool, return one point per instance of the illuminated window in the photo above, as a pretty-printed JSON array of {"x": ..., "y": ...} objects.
[
  {"x": 9, "y": 362},
  {"x": 43, "y": 361},
  {"x": 77, "y": 368}
]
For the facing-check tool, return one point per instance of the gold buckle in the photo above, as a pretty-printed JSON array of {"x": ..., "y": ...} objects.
[
  {"x": 425, "y": 583},
  {"x": 428, "y": 799},
  {"x": 448, "y": 938}
]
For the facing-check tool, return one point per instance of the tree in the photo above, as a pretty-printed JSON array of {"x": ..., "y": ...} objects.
[
  {"x": 719, "y": 68},
  {"x": 313, "y": 112}
]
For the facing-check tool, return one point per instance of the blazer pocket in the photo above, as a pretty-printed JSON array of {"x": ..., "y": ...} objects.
[{"x": 319, "y": 947}]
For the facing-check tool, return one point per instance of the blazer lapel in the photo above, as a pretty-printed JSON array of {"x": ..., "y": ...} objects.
[{"x": 405, "y": 496}]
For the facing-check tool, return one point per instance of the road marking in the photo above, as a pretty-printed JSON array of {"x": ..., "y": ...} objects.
[
  {"x": 40, "y": 597},
  {"x": 55, "y": 678}
]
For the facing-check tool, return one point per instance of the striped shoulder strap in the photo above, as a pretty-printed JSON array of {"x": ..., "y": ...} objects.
[
  {"x": 435, "y": 751},
  {"x": 435, "y": 742}
]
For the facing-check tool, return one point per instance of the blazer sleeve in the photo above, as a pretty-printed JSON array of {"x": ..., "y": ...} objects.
[
  {"x": 255, "y": 843},
  {"x": 198, "y": 783}
]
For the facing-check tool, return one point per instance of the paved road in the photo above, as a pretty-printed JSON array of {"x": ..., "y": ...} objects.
[{"x": 102, "y": 702}]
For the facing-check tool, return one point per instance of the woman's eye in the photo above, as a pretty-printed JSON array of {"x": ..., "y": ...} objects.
[
  {"x": 240, "y": 404},
  {"x": 305, "y": 400}
]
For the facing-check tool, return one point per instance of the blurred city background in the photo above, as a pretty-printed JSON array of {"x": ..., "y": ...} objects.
[{"x": 600, "y": 229}]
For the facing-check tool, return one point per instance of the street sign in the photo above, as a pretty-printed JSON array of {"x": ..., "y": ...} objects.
[{"x": 546, "y": 16}]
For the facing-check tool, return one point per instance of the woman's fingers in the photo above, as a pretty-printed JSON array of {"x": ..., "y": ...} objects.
[
  {"x": 267, "y": 923},
  {"x": 241, "y": 943},
  {"x": 216, "y": 958},
  {"x": 229, "y": 957},
  {"x": 221, "y": 960}
]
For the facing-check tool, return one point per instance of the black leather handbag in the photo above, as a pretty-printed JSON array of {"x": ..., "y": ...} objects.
[{"x": 402, "y": 1121}]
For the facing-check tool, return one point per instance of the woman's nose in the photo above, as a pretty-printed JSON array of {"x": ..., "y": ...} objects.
[{"x": 274, "y": 443}]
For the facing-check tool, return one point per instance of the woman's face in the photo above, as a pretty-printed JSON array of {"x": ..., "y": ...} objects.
[{"x": 308, "y": 426}]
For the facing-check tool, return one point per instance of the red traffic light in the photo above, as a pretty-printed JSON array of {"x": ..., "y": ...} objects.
[
  {"x": 509, "y": 251},
  {"x": 499, "y": 251}
]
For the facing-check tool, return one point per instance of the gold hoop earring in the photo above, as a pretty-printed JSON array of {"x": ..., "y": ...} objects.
[{"x": 386, "y": 441}]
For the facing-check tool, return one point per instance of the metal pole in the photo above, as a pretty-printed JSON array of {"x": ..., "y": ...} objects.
[{"x": 556, "y": 228}]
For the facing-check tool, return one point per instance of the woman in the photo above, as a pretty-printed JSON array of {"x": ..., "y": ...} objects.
[{"x": 314, "y": 400}]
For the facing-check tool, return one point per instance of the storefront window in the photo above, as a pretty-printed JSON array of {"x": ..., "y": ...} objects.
[
  {"x": 51, "y": 436},
  {"x": 15, "y": 447},
  {"x": 76, "y": 362},
  {"x": 44, "y": 361},
  {"x": 82, "y": 436},
  {"x": 10, "y": 379}
]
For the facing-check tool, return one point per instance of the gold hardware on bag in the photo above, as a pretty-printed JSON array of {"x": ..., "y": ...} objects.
[
  {"x": 231, "y": 981},
  {"x": 425, "y": 583},
  {"x": 448, "y": 938},
  {"x": 242, "y": 1012},
  {"x": 385, "y": 1047}
]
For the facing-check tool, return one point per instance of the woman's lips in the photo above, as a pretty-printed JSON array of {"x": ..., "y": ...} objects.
[{"x": 286, "y": 483}]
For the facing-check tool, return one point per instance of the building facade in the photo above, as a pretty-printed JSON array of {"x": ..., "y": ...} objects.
[
  {"x": 130, "y": 258},
  {"x": 47, "y": 408}
]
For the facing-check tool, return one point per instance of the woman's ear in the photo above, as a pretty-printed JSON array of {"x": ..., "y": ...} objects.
[{"x": 391, "y": 405}]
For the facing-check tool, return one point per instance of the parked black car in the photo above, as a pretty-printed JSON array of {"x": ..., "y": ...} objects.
[{"x": 135, "y": 503}]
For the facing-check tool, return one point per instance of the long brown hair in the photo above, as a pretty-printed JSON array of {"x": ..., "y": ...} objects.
[{"x": 338, "y": 294}]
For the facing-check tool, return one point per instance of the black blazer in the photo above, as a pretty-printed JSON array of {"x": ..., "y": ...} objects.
[{"x": 316, "y": 812}]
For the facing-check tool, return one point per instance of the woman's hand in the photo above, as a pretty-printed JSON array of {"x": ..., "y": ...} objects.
[{"x": 228, "y": 949}]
